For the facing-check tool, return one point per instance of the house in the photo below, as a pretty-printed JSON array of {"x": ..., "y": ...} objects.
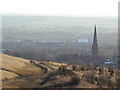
[{"x": 108, "y": 61}]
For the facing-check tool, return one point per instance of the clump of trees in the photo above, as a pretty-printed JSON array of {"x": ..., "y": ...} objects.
[{"x": 62, "y": 70}]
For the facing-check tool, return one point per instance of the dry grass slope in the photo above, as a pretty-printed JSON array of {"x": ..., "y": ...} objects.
[
  {"x": 14, "y": 66},
  {"x": 22, "y": 73}
]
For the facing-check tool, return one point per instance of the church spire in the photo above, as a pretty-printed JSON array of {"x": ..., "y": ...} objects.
[
  {"x": 95, "y": 45},
  {"x": 95, "y": 36}
]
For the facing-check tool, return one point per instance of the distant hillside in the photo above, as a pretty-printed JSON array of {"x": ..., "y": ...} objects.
[{"x": 22, "y": 73}]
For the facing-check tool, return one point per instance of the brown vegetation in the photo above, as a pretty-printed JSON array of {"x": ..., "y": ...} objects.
[{"x": 18, "y": 72}]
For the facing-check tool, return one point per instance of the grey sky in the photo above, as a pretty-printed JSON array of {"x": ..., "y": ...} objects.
[{"x": 60, "y": 7}]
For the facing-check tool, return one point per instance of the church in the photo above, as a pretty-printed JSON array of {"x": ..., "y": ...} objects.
[{"x": 93, "y": 58}]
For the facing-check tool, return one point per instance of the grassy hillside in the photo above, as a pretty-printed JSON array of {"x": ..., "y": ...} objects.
[
  {"x": 22, "y": 73},
  {"x": 14, "y": 67}
]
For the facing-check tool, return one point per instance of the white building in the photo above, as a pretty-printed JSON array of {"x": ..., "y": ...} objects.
[{"x": 108, "y": 61}]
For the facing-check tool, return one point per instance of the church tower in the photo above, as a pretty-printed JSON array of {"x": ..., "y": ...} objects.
[{"x": 95, "y": 45}]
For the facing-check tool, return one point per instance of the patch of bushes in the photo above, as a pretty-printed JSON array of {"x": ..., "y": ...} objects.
[
  {"x": 98, "y": 83},
  {"x": 95, "y": 67},
  {"x": 74, "y": 68},
  {"x": 64, "y": 71},
  {"x": 82, "y": 68},
  {"x": 100, "y": 71},
  {"x": 111, "y": 70},
  {"x": 96, "y": 79},
  {"x": 101, "y": 81},
  {"x": 62, "y": 68},
  {"x": 111, "y": 73},
  {"x": 104, "y": 81}
]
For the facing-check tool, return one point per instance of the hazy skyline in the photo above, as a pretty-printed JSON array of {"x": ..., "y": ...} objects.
[{"x": 60, "y": 7}]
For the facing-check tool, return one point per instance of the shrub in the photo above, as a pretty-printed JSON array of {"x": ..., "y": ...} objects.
[
  {"x": 62, "y": 68},
  {"x": 74, "y": 68},
  {"x": 101, "y": 71},
  {"x": 98, "y": 83},
  {"x": 96, "y": 79},
  {"x": 82, "y": 68},
  {"x": 111, "y": 73},
  {"x": 95, "y": 67},
  {"x": 119, "y": 68},
  {"x": 110, "y": 69},
  {"x": 82, "y": 76}
]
